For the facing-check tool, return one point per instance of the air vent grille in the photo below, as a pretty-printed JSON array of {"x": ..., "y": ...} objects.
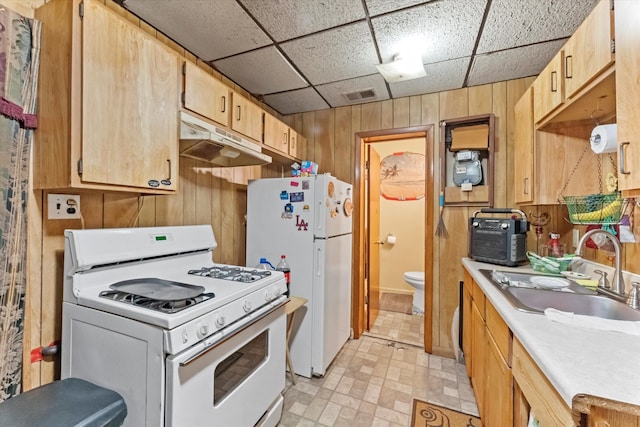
[{"x": 360, "y": 95}]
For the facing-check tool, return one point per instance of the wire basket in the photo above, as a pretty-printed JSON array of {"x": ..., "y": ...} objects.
[{"x": 595, "y": 208}]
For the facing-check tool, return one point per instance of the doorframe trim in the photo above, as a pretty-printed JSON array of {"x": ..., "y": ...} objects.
[{"x": 359, "y": 233}]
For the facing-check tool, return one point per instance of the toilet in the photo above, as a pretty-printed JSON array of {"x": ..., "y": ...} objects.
[{"x": 416, "y": 280}]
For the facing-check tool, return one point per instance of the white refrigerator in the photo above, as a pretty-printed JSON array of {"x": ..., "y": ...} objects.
[{"x": 308, "y": 219}]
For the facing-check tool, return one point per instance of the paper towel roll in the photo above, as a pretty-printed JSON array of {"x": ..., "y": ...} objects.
[
  {"x": 391, "y": 240},
  {"x": 604, "y": 139}
]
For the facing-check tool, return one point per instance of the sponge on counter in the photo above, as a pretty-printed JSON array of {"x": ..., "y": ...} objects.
[{"x": 591, "y": 284}]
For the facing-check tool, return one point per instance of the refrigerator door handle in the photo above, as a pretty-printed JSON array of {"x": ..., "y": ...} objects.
[
  {"x": 319, "y": 217},
  {"x": 319, "y": 260}
]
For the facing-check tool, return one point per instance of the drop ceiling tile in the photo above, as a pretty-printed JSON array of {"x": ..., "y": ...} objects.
[
  {"x": 513, "y": 63},
  {"x": 441, "y": 76},
  {"x": 334, "y": 92},
  {"x": 516, "y": 23},
  {"x": 288, "y": 19},
  {"x": 440, "y": 30},
  {"x": 378, "y": 7},
  {"x": 296, "y": 101},
  {"x": 248, "y": 70},
  {"x": 337, "y": 54},
  {"x": 209, "y": 29}
]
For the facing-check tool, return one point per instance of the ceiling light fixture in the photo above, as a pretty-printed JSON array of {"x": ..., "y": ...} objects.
[{"x": 403, "y": 67}]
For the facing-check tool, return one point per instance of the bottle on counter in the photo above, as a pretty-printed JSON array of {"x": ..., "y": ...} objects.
[
  {"x": 284, "y": 267},
  {"x": 264, "y": 264}
]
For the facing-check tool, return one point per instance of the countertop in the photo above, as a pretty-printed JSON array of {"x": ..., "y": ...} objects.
[{"x": 576, "y": 360}]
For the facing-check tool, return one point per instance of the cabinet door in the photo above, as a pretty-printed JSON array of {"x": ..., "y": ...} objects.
[
  {"x": 466, "y": 321},
  {"x": 293, "y": 143},
  {"x": 206, "y": 95},
  {"x": 498, "y": 408},
  {"x": 523, "y": 153},
  {"x": 541, "y": 396},
  {"x": 548, "y": 89},
  {"x": 588, "y": 51},
  {"x": 130, "y": 102},
  {"x": 627, "y": 95},
  {"x": 246, "y": 117},
  {"x": 276, "y": 134},
  {"x": 478, "y": 349}
]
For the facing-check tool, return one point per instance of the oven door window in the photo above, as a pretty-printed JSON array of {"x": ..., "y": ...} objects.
[{"x": 238, "y": 366}]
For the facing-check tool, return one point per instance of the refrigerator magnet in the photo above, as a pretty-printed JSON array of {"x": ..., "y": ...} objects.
[
  {"x": 284, "y": 195},
  {"x": 294, "y": 183},
  {"x": 305, "y": 184},
  {"x": 296, "y": 197}
]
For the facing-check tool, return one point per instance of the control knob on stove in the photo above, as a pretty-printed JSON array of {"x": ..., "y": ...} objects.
[
  {"x": 220, "y": 321},
  {"x": 203, "y": 330},
  {"x": 271, "y": 294},
  {"x": 247, "y": 306}
]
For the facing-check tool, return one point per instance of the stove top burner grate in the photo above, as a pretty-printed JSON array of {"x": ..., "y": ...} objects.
[
  {"x": 164, "y": 306},
  {"x": 236, "y": 274}
]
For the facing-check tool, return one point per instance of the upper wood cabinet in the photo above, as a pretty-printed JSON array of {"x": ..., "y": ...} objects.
[
  {"x": 276, "y": 134},
  {"x": 246, "y": 117},
  {"x": 296, "y": 142},
  {"x": 589, "y": 50},
  {"x": 549, "y": 88},
  {"x": 579, "y": 80},
  {"x": 108, "y": 103},
  {"x": 627, "y": 95},
  {"x": 279, "y": 136},
  {"x": 523, "y": 149},
  {"x": 206, "y": 95}
]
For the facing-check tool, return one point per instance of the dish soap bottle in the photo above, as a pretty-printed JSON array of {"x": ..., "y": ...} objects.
[{"x": 284, "y": 267}]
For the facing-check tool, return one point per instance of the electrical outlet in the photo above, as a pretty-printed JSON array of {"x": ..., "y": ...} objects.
[{"x": 63, "y": 206}]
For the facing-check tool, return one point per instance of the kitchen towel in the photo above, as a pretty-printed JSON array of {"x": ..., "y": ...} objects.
[
  {"x": 604, "y": 139},
  {"x": 593, "y": 322}
]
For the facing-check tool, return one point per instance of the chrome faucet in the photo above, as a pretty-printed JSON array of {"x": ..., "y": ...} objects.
[{"x": 618, "y": 281}]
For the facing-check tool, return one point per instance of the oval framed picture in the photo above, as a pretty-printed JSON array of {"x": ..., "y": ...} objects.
[{"x": 402, "y": 176}]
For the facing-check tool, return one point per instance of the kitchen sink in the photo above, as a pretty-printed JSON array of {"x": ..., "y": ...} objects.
[{"x": 524, "y": 296}]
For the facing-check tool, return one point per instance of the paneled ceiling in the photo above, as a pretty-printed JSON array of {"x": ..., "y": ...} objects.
[{"x": 305, "y": 55}]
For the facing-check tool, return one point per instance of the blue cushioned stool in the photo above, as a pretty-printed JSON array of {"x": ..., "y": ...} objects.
[{"x": 71, "y": 402}]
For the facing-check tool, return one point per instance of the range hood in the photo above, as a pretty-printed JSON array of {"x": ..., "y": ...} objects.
[{"x": 201, "y": 140}]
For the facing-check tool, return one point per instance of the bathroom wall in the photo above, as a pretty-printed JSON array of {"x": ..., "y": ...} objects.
[{"x": 405, "y": 221}]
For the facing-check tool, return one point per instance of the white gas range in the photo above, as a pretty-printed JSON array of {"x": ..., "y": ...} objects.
[{"x": 185, "y": 341}]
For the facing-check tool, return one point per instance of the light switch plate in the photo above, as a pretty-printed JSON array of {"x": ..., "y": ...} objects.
[
  {"x": 575, "y": 237},
  {"x": 63, "y": 206}
]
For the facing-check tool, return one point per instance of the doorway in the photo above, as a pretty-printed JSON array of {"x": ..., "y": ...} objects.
[
  {"x": 369, "y": 238},
  {"x": 396, "y": 218}
]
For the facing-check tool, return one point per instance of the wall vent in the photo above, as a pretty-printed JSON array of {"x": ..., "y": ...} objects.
[{"x": 360, "y": 95}]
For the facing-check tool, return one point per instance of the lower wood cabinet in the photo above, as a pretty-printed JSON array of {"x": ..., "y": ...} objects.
[
  {"x": 508, "y": 384},
  {"x": 537, "y": 391},
  {"x": 486, "y": 342},
  {"x": 498, "y": 399}
]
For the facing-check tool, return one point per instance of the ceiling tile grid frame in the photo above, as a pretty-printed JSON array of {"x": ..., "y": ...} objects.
[{"x": 303, "y": 55}]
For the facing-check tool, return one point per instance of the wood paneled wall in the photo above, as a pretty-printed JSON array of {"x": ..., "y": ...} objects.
[{"x": 331, "y": 138}]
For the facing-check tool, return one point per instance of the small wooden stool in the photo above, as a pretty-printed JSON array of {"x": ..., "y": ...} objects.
[{"x": 290, "y": 308}]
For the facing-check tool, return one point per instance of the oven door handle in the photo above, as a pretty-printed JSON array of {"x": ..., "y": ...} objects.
[{"x": 230, "y": 331}]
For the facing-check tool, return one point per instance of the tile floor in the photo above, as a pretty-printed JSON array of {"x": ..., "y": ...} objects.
[{"x": 373, "y": 380}]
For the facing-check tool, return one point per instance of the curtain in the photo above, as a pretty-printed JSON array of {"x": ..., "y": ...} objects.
[{"x": 19, "y": 54}]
